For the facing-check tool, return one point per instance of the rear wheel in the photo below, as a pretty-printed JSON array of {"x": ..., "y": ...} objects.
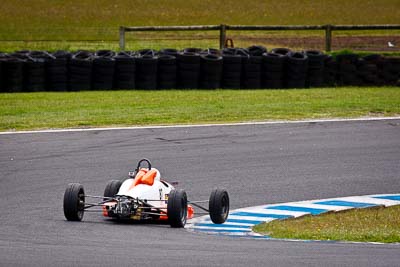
[
  {"x": 112, "y": 188},
  {"x": 177, "y": 208},
  {"x": 74, "y": 202},
  {"x": 219, "y": 206}
]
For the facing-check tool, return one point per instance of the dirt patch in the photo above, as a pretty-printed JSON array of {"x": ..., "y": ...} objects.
[{"x": 360, "y": 43}]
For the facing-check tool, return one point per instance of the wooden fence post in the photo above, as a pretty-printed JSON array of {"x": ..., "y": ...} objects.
[
  {"x": 122, "y": 38},
  {"x": 222, "y": 36},
  {"x": 328, "y": 38}
]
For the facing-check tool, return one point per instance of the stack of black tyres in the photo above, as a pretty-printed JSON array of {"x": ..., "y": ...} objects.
[
  {"x": 23, "y": 56},
  {"x": 347, "y": 69},
  {"x": 125, "y": 70},
  {"x": 367, "y": 70},
  {"x": 57, "y": 71},
  {"x": 390, "y": 71},
  {"x": 146, "y": 69},
  {"x": 252, "y": 66},
  {"x": 13, "y": 73},
  {"x": 2, "y": 55},
  {"x": 80, "y": 68},
  {"x": 330, "y": 71},
  {"x": 315, "y": 74},
  {"x": 273, "y": 70},
  {"x": 296, "y": 71},
  {"x": 211, "y": 70},
  {"x": 167, "y": 68},
  {"x": 283, "y": 52},
  {"x": 192, "y": 50},
  {"x": 188, "y": 62},
  {"x": 232, "y": 68},
  {"x": 35, "y": 71},
  {"x": 103, "y": 70},
  {"x": 212, "y": 51}
]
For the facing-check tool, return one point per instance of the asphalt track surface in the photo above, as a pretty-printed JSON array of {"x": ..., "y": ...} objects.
[{"x": 258, "y": 164}]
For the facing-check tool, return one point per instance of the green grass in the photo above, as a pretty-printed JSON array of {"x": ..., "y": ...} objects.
[
  {"x": 22, "y": 111},
  {"x": 93, "y": 24},
  {"x": 100, "y": 19},
  {"x": 362, "y": 225}
]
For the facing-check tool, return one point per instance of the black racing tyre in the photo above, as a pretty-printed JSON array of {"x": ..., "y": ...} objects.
[
  {"x": 347, "y": 68},
  {"x": 231, "y": 68},
  {"x": 219, "y": 206},
  {"x": 231, "y": 84},
  {"x": 232, "y": 59},
  {"x": 188, "y": 58},
  {"x": 282, "y": 51},
  {"x": 192, "y": 50},
  {"x": 228, "y": 51},
  {"x": 147, "y": 52},
  {"x": 298, "y": 83},
  {"x": 347, "y": 58},
  {"x": 146, "y": 60},
  {"x": 112, "y": 188},
  {"x": 177, "y": 208},
  {"x": 74, "y": 202},
  {"x": 166, "y": 60},
  {"x": 169, "y": 51},
  {"x": 211, "y": 51},
  {"x": 62, "y": 54},
  {"x": 272, "y": 83},
  {"x": 297, "y": 58},
  {"x": 257, "y": 50}
]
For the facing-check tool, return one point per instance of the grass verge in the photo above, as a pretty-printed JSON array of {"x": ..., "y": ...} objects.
[
  {"x": 23, "y": 111},
  {"x": 100, "y": 19},
  {"x": 361, "y": 225}
]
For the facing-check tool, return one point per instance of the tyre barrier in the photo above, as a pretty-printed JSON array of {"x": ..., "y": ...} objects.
[
  {"x": 57, "y": 71},
  {"x": 1, "y": 72},
  {"x": 296, "y": 72},
  {"x": 251, "y": 72},
  {"x": 273, "y": 70},
  {"x": 166, "y": 75},
  {"x": 284, "y": 53},
  {"x": 192, "y": 68},
  {"x": 315, "y": 74},
  {"x": 368, "y": 72},
  {"x": 347, "y": 69},
  {"x": 188, "y": 69},
  {"x": 125, "y": 70},
  {"x": 169, "y": 51},
  {"x": 256, "y": 50},
  {"x": 103, "y": 70},
  {"x": 232, "y": 67},
  {"x": 391, "y": 70},
  {"x": 80, "y": 70},
  {"x": 212, "y": 51},
  {"x": 330, "y": 71},
  {"x": 12, "y": 73},
  {"x": 36, "y": 71},
  {"x": 146, "y": 70},
  {"x": 211, "y": 71}
]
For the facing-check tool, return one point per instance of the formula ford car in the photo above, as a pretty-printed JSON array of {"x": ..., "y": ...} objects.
[{"x": 144, "y": 196}]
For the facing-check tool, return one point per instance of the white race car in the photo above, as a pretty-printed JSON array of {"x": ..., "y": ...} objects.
[{"x": 144, "y": 196}]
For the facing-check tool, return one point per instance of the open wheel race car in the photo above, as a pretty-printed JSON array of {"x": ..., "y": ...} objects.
[{"x": 144, "y": 196}]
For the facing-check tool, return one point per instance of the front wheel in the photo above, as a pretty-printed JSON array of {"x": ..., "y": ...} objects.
[
  {"x": 74, "y": 202},
  {"x": 219, "y": 206},
  {"x": 177, "y": 208}
]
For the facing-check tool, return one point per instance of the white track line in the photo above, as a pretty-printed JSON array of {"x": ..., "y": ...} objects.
[{"x": 197, "y": 125}]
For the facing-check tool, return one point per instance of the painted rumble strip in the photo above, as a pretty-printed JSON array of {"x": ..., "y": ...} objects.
[{"x": 241, "y": 221}]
